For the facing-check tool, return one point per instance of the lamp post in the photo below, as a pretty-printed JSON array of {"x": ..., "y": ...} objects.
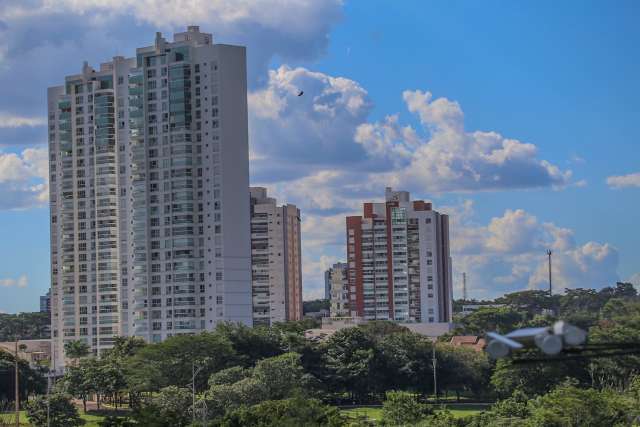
[
  {"x": 194, "y": 372},
  {"x": 435, "y": 376},
  {"x": 17, "y": 388}
]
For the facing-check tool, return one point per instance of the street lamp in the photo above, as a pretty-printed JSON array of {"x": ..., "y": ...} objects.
[{"x": 194, "y": 372}]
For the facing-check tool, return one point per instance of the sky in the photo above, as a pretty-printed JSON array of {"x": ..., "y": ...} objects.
[{"x": 521, "y": 120}]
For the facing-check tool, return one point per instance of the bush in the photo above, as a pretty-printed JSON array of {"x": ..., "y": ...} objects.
[
  {"x": 171, "y": 407},
  {"x": 402, "y": 408},
  {"x": 285, "y": 413},
  {"x": 62, "y": 412}
]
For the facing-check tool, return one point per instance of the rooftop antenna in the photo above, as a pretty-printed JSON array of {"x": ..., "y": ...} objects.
[
  {"x": 549, "y": 252},
  {"x": 464, "y": 286}
]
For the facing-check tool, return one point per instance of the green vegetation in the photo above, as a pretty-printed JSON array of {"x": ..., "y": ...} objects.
[
  {"x": 315, "y": 305},
  {"x": 275, "y": 377},
  {"x": 26, "y": 326},
  {"x": 55, "y": 410}
]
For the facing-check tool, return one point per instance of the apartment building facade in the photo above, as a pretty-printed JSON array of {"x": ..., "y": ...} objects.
[
  {"x": 399, "y": 266},
  {"x": 337, "y": 285},
  {"x": 148, "y": 179},
  {"x": 276, "y": 263}
]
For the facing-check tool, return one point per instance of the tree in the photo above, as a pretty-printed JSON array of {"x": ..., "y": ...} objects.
[
  {"x": 282, "y": 376},
  {"x": 462, "y": 370},
  {"x": 570, "y": 406},
  {"x": 315, "y": 305},
  {"x": 62, "y": 412},
  {"x": 77, "y": 384},
  {"x": 274, "y": 378},
  {"x": 170, "y": 407},
  {"x": 403, "y": 362},
  {"x": 292, "y": 412},
  {"x": 349, "y": 356},
  {"x": 124, "y": 347},
  {"x": 536, "y": 378},
  {"x": 488, "y": 319},
  {"x": 401, "y": 408},
  {"x": 76, "y": 349},
  {"x": 25, "y": 326},
  {"x": 229, "y": 376},
  {"x": 159, "y": 365},
  {"x": 251, "y": 344},
  {"x": 531, "y": 301},
  {"x": 31, "y": 379}
]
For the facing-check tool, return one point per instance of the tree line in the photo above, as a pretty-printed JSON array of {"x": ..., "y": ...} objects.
[{"x": 275, "y": 376}]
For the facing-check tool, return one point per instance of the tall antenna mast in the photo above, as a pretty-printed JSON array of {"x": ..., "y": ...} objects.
[
  {"x": 550, "y": 286},
  {"x": 464, "y": 286}
]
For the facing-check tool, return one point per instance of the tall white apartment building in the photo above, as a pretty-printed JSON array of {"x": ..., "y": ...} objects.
[
  {"x": 399, "y": 262},
  {"x": 276, "y": 262},
  {"x": 148, "y": 192},
  {"x": 337, "y": 284}
]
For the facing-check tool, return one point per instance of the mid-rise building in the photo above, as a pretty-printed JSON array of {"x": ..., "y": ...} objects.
[
  {"x": 276, "y": 262},
  {"x": 148, "y": 194},
  {"x": 399, "y": 263},
  {"x": 45, "y": 302},
  {"x": 337, "y": 283}
]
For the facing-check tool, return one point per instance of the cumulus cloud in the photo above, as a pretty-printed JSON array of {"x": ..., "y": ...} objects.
[
  {"x": 24, "y": 179},
  {"x": 621, "y": 181},
  {"x": 449, "y": 158},
  {"x": 315, "y": 129},
  {"x": 508, "y": 253},
  {"x": 287, "y": 29},
  {"x": 20, "y": 282}
]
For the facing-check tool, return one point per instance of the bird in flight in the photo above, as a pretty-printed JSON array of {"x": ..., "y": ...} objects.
[{"x": 301, "y": 93}]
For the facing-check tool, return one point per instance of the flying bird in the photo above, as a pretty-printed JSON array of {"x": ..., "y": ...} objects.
[{"x": 301, "y": 93}]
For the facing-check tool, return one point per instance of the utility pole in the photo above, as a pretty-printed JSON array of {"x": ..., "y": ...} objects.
[
  {"x": 549, "y": 252},
  {"x": 17, "y": 390},
  {"x": 464, "y": 286},
  {"x": 435, "y": 376}
]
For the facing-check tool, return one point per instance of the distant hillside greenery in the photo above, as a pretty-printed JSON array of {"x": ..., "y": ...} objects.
[
  {"x": 27, "y": 326},
  {"x": 315, "y": 305}
]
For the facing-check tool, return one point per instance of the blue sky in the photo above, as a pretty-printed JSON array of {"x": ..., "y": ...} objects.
[{"x": 521, "y": 120}]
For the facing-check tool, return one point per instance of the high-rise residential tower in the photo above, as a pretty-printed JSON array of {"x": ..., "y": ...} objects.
[
  {"x": 399, "y": 262},
  {"x": 275, "y": 260},
  {"x": 148, "y": 193},
  {"x": 336, "y": 281}
]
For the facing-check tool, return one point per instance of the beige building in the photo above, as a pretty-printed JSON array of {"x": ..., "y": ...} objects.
[
  {"x": 338, "y": 286},
  {"x": 33, "y": 351},
  {"x": 275, "y": 260}
]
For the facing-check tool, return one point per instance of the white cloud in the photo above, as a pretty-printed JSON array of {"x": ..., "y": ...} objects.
[
  {"x": 20, "y": 282},
  {"x": 509, "y": 253},
  {"x": 12, "y": 121},
  {"x": 450, "y": 158},
  {"x": 635, "y": 280},
  {"x": 305, "y": 132},
  {"x": 287, "y": 29},
  {"x": 24, "y": 179},
  {"x": 621, "y": 181}
]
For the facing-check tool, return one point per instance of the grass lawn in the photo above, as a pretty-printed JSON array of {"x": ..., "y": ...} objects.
[
  {"x": 371, "y": 413},
  {"x": 457, "y": 410},
  {"x": 91, "y": 419}
]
